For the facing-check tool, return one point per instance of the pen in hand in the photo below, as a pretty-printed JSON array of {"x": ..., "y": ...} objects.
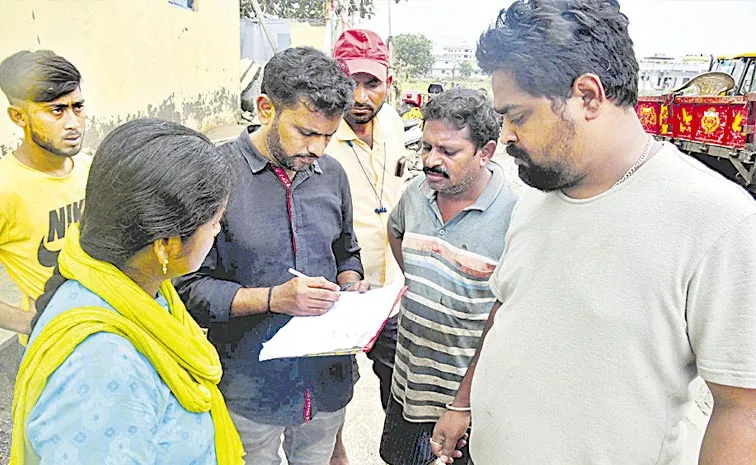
[
  {"x": 299, "y": 274},
  {"x": 304, "y": 295}
]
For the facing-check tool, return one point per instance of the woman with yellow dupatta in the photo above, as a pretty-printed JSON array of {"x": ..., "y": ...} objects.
[{"x": 116, "y": 371}]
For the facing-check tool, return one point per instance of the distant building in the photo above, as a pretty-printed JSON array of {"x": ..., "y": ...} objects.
[
  {"x": 449, "y": 58},
  {"x": 660, "y": 74}
]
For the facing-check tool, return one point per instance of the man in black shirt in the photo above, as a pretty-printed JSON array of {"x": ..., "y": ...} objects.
[{"x": 291, "y": 208}]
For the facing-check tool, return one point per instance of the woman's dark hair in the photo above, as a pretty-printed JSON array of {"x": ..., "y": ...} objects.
[
  {"x": 466, "y": 108},
  {"x": 303, "y": 74},
  {"x": 40, "y": 76},
  {"x": 547, "y": 44},
  {"x": 150, "y": 179}
]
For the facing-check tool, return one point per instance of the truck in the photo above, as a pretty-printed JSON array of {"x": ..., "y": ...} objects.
[{"x": 711, "y": 117}]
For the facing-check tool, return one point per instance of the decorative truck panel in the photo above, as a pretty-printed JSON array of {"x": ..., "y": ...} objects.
[
  {"x": 710, "y": 120},
  {"x": 736, "y": 134},
  {"x": 665, "y": 120},
  {"x": 649, "y": 113},
  {"x": 750, "y": 129},
  {"x": 722, "y": 127}
]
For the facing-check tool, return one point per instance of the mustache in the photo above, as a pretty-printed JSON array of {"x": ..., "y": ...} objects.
[
  {"x": 362, "y": 106},
  {"x": 72, "y": 135},
  {"x": 436, "y": 170},
  {"x": 517, "y": 152}
]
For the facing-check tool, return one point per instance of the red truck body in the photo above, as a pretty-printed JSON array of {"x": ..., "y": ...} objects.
[
  {"x": 710, "y": 126},
  {"x": 722, "y": 121}
]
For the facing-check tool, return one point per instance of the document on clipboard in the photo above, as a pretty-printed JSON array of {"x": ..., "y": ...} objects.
[{"x": 352, "y": 325}]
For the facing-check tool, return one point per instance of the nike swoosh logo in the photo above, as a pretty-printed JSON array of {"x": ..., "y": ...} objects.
[{"x": 46, "y": 257}]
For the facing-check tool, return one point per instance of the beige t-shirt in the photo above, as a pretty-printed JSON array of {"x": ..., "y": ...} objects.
[
  {"x": 610, "y": 308},
  {"x": 372, "y": 182}
]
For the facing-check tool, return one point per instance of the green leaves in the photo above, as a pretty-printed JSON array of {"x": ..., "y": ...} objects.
[
  {"x": 413, "y": 53},
  {"x": 308, "y": 9},
  {"x": 465, "y": 70}
]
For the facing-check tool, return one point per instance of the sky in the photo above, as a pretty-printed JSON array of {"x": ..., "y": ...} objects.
[{"x": 670, "y": 27}]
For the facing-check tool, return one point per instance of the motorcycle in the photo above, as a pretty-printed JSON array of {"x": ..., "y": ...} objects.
[{"x": 413, "y": 134}]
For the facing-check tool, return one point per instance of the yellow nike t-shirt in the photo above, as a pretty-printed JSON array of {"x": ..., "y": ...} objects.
[{"x": 35, "y": 211}]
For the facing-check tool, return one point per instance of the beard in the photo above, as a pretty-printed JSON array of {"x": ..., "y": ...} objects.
[
  {"x": 559, "y": 172},
  {"x": 276, "y": 150},
  {"x": 55, "y": 149},
  {"x": 364, "y": 118}
]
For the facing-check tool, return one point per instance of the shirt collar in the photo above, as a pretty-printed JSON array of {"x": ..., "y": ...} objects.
[
  {"x": 345, "y": 133},
  {"x": 486, "y": 198},
  {"x": 256, "y": 161}
]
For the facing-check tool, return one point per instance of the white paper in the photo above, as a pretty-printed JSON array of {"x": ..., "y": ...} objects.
[{"x": 347, "y": 327}]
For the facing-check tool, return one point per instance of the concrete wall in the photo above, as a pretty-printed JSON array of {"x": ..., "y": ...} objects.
[{"x": 138, "y": 58}]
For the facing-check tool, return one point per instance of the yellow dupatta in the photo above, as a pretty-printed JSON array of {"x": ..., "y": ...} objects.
[{"x": 172, "y": 342}]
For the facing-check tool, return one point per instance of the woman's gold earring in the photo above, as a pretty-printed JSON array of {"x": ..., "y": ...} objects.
[{"x": 165, "y": 267}]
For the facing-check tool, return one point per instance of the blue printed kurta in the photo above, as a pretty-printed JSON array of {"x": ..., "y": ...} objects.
[{"x": 106, "y": 404}]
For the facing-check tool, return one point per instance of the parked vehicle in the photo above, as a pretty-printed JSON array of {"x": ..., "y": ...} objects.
[
  {"x": 742, "y": 68},
  {"x": 413, "y": 101},
  {"x": 711, "y": 117},
  {"x": 413, "y": 134}
]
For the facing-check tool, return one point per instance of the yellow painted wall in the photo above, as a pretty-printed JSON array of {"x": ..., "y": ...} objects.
[
  {"x": 138, "y": 58},
  {"x": 304, "y": 34}
]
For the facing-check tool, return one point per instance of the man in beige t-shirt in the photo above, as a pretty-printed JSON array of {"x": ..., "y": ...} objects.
[
  {"x": 369, "y": 144},
  {"x": 628, "y": 275}
]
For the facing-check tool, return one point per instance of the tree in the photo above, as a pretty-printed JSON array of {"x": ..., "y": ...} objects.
[
  {"x": 285, "y": 9},
  {"x": 307, "y": 9},
  {"x": 413, "y": 53},
  {"x": 465, "y": 70}
]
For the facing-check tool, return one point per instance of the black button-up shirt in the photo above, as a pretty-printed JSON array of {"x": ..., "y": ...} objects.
[{"x": 257, "y": 245}]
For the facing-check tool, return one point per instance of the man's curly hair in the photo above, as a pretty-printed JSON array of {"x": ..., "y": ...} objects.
[
  {"x": 305, "y": 75},
  {"x": 466, "y": 108}
]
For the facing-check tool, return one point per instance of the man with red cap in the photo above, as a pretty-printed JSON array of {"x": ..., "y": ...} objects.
[{"x": 369, "y": 144}]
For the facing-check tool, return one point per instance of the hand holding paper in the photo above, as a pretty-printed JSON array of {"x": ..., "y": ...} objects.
[
  {"x": 349, "y": 326},
  {"x": 303, "y": 295}
]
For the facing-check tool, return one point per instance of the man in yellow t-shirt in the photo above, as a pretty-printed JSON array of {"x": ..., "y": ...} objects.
[
  {"x": 41, "y": 183},
  {"x": 369, "y": 145}
]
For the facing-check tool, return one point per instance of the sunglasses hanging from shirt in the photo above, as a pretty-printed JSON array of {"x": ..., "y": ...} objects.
[{"x": 381, "y": 208}]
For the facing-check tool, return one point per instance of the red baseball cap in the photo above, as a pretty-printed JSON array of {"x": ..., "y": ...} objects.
[{"x": 362, "y": 51}]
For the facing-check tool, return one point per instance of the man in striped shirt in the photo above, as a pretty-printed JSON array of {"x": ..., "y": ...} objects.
[{"x": 446, "y": 234}]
